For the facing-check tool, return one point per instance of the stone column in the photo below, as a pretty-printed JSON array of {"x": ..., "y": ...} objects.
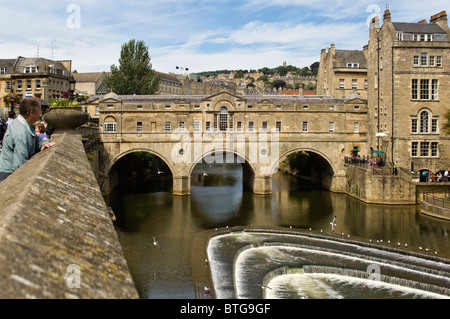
[
  {"x": 262, "y": 185},
  {"x": 181, "y": 185}
]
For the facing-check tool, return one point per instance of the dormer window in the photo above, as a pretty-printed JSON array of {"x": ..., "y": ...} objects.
[
  {"x": 31, "y": 69},
  {"x": 2, "y": 70},
  {"x": 352, "y": 65}
]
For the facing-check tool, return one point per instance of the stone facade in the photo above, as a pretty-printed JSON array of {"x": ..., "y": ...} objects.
[
  {"x": 408, "y": 77},
  {"x": 325, "y": 127},
  {"x": 342, "y": 72},
  {"x": 37, "y": 77}
]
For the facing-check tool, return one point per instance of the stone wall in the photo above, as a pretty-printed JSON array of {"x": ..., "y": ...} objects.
[
  {"x": 57, "y": 239},
  {"x": 370, "y": 187}
]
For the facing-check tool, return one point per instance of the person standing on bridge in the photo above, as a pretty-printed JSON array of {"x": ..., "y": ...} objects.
[{"x": 21, "y": 142}]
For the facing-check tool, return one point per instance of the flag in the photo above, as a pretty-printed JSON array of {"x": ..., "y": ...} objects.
[
  {"x": 187, "y": 69},
  {"x": 177, "y": 67}
]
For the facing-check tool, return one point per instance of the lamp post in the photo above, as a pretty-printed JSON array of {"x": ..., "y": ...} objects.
[{"x": 72, "y": 88}]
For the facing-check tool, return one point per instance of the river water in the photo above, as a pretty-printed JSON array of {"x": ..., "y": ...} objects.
[{"x": 146, "y": 210}]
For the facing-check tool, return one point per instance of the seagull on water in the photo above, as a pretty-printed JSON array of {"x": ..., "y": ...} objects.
[
  {"x": 159, "y": 172},
  {"x": 155, "y": 243},
  {"x": 206, "y": 290},
  {"x": 204, "y": 173}
]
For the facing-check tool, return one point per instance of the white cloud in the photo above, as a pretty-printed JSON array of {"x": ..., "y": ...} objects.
[{"x": 200, "y": 34}]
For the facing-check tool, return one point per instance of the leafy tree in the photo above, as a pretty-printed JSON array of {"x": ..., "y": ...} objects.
[
  {"x": 447, "y": 125},
  {"x": 134, "y": 75},
  {"x": 278, "y": 83}
]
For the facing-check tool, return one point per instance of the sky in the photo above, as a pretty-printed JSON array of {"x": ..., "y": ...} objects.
[{"x": 201, "y": 35}]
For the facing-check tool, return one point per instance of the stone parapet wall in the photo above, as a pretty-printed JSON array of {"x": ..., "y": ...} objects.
[
  {"x": 56, "y": 236},
  {"x": 369, "y": 187}
]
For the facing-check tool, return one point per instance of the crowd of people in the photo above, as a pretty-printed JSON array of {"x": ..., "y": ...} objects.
[{"x": 22, "y": 136}]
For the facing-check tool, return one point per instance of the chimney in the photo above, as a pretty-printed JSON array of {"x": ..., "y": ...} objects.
[
  {"x": 440, "y": 19},
  {"x": 424, "y": 21},
  {"x": 375, "y": 22},
  {"x": 387, "y": 16}
]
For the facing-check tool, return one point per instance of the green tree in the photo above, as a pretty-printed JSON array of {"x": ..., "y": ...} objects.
[
  {"x": 447, "y": 125},
  {"x": 134, "y": 75}
]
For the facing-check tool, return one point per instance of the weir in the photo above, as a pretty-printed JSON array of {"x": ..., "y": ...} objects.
[{"x": 259, "y": 259}]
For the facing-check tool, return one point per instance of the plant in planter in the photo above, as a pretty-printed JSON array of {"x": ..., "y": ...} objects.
[
  {"x": 65, "y": 114},
  {"x": 11, "y": 100}
]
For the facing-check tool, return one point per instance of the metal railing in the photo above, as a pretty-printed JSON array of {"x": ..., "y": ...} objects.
[
  {"x": 377, "y": 167},
  {"x": 438, "y": 197}
]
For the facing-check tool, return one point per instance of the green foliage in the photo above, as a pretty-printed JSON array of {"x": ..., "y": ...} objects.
[
  {"x": 301, "y": 162},
  {"x": 134, "y": 75},
  {"x": 447, "y": 124}
]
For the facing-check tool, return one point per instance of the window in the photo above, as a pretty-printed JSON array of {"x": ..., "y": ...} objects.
[
  {"x": 264, "y": 126},
  {"x": 399, "y": 36},
  {"x": 424, "y": 118},
  {"x": 365, "y": 84},
  {"x": 424, "y": 89},
  {"x": 197, "y": 125},
  {"x": 434, "y": 90},
  {"x": 38, "y": 84},
  {"x": 167, "y": 106},
  {"x": 250, "y": 126},
  {"x": 278, "y": 126},
  {"x": 139, "y": 127},
  {"x": 416, "y": 60},
  {"x": 354, "y": 84},
  {"x": 305, "y": 107},
  {"x": 139, "y": 106},
  {"x": 7, "y": 86},
  {"x": 431, "y": 60},
  {"x": 439, "y": 61},
  {"x": 341, "y": 83},
  {"x": 110, "y": 127},
  {"x": 196, "y": 106},
  {"x": 19, "y": 85},
  {"x": 223, "y": 119},
  {"x": 331, "y": 127},
  {"x": 414, "y": 88},
  {"x": 413, "y": 126},
  {"x": 181, "y": 126},
  {"x": 352, "y": 65},
  {"x": 415, "y": 37},
  {"x": 208, "y": 126},
  {"x": 305, "y": 126},
  {"x": 167, "y": 127},
  {"x": 424, "y": 148},
  {"x": 250, "y": 106},
  {"x": 434, "y": 126},
  {"x": 414, "y": 148},
  {"x": 422, "y": 37},
  {"x": 278, "y": 107},
  {"x": 31, "y": 69},
  {"x": 355, "y": 127},
  {"x": 239, "y": 126},
  {"x": 434, "y": 148},
  {"x": 2, "y": 70},
  {"x": 424, "y": 59},
  {"x": 28, "y": 84},
  {"x": 231, "y": 121}
]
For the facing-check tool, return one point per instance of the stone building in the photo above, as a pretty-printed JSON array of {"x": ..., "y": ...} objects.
[
  {"x": 37, "y": 77},
  {"x": 169, "y": 84},
  {"x": 90, "y": 83},
  {"x": 342, "y": 72},
  {"x": 408, "y": 78}
]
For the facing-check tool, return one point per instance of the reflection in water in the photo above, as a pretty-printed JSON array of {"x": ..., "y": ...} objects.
[{"x": 149, "y": 209}]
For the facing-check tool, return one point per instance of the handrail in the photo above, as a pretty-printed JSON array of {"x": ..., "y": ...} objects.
[{"x": 438, "y": 197}]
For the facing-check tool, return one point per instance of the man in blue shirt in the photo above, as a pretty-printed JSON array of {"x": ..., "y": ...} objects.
[{"x": 21, "y": 142}]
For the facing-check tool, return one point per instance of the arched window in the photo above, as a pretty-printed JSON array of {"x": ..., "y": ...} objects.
[
  {"x": 223, "y": 119},
  {"x": 110, "y": 125},
  {"x": 424, "y": 122}
]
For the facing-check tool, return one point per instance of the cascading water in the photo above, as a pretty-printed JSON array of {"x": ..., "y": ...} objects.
[{"x": 289, "y": 264}]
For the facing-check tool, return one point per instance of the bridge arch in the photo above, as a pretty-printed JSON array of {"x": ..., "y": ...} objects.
[
  {"x": 325, "y": 170},
  {"x": 136, "y": 150}
]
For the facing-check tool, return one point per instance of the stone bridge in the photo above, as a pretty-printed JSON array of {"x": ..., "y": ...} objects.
[{"x": 260, "y": 130}]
